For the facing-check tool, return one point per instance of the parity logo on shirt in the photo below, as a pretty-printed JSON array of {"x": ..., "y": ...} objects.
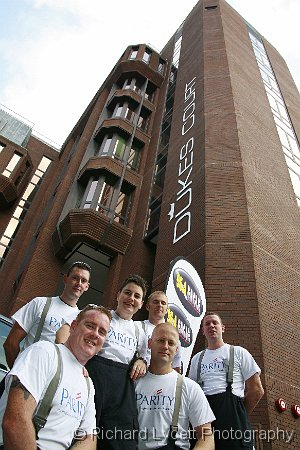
[
  {"x": 121, "y": 339},
  {"x": 71, "y": 405},
  {"x": 217, "y": 365},
  {"x": 156, "y": 401}
]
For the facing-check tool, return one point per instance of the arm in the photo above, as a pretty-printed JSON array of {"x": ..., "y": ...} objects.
[
  {"x": 62, "y": 334},
  {"x": 88, "y": 443},
  {"x": 12, "y": 343},
  {"x": 205, "y": 437},
  {"x": 18, "y": 429},
  {"x": 138, "y": 370},
  {"x": 254, "y": 392}
]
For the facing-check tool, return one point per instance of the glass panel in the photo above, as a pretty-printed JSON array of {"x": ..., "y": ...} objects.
[
  {"x": 28, "y": 191},
  {"x": 5, "y": 241},
  {"x": 90, "y": 194},
  {"x": 44, "y": 164},
  {"x": 295, "y": 182},
  {"x": 105, "y": 197},
  {"x": 119, "y": 148},
  {"x": 134, "y": 156},
  {"x": 133, "y": 53},
  {"x": 11, "y": 165},
  {"x": 118, "y": 110},
  {"x": 106, "y": 145},
  {"x": 2, "y": 250},
  {"x": 11, "y": 227},
  {"x": 294, "y": 147},
  {"x": 146, "y": 56}
]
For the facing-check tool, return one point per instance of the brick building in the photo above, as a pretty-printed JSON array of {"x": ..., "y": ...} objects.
[{"x": 193, "y": 152}]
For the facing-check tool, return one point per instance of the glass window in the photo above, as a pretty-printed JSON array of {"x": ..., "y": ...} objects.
[
  {"x": 12, "y": 165},
  {"x": 147, "y": 56},
  {"x": 133, "y": 53},
  {"x": 129, "y": 114},
  {"x": 122, "y": 208},
  {"x": 90, "y": 194},
  {"x": 118, "y": 110},
  {"x": 161, "y": 66},
  {"x": 24, "y": 204},
  {"x": 104, "y": 198},
  {"x": 106, "y": 144},
  {"x": 134, "y": 158},
  {"x": 119, "y": 148}
]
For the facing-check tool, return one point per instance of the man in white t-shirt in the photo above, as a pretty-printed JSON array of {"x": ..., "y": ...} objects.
[
  {"x": 231, "y": 400},
  {"x": 157, "y": 305},
  {"x": 63, "y": 309},
  {"x": 155, "y": 396},
  {"x": 72, "y": 419}
]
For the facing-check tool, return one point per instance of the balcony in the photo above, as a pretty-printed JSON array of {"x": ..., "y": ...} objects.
[
  {"x": 92, "y": 228},
  {"x": 8, "y": 192}
]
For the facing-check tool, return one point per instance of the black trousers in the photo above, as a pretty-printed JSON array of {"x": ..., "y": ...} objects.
[
  {"x": 116, "y": 411},
  {"x": 232, "y": 428}
]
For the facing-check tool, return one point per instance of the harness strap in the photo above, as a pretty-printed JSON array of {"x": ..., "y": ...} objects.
[
  {"x": 42, "y": 319},
  {"x": 43, "y": 411},
  {"x": 177, "y": 402},
  {"x": 228, "y": 365}
]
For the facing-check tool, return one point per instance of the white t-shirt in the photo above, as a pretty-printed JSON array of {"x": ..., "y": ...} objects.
[
  {"x": 149, "y": 327},
  {"x": 213, "y": 369},
  {"x": 155, "y": 396},
  {"x": 121, "y": 341},
  {"x": 72, "y": 408},
  {"x": 29, "y": 316}
]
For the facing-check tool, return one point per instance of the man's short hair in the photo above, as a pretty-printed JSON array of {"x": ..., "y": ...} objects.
[
  {"x": 164, "y": 325},
  {"x": 211, "y": 313},
  {"x": 153, "y": 294},
  {"x": 90, "y": 307},
  {"x": 136, "y": 279},
  {"x": 80, "y": 265}
]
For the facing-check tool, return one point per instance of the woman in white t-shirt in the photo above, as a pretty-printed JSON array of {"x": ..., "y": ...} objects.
[{"x": 120, "y": 362}]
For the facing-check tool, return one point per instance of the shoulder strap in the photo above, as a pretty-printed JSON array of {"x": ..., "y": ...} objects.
[
  {"x": 199, "y": 381},
  {"x": 177, "y": 402},
  {"x": 42, "y": 320},
  {"x": 231, "y": 365},
  {"x": 40, "y": 417},
  {"x": 143, "y": 326},
  {"x": 137, "y": 333}
]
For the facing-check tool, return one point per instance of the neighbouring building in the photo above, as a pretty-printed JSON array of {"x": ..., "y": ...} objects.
[{"x": 190, "y": 152}]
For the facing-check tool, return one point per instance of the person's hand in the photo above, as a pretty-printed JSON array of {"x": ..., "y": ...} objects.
[{"x": 138, "y": 370}]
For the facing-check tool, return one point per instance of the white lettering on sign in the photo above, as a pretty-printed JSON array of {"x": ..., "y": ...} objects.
[{"x": 180, "y": 209}]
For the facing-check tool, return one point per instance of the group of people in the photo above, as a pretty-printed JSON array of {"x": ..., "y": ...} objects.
[{"x": 119, "y": 384}]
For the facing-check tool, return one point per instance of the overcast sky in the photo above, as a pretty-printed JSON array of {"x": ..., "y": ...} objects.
[{"x": 55, "y": 54}]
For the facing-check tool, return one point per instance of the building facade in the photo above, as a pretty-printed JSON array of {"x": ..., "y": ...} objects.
[{"x": 192, "y": 152}]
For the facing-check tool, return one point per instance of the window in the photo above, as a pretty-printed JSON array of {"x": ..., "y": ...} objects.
[
  {"x": 104, "y": 200},
  {"x": 133, "y": 53},
  {"x": 22, "y": 208},
  {"x": 122, "y": 208},
  {"x": 134, "y": 157},
  {"x": 119, "y": 148},
  {"x": 146, "y": 56},
  {"x": 12, "y": 165},
  {"x": 129, "y": 114},
  {"x": 107, "y": 142},
  {"x": 161, "y": 66},
  {"x": 90, "y": 194},
  {"x": 101, "y": 195},
  {"x": 118, "y": 110}
]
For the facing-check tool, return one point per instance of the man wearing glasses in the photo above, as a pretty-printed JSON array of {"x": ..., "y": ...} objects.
[{"x": 62, "y": 309}]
